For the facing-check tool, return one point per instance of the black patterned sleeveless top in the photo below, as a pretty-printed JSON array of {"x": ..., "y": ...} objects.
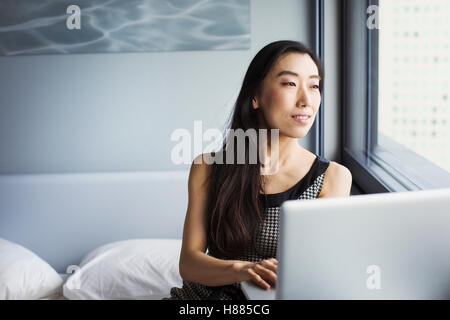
[{"x": 264, "y": 244}]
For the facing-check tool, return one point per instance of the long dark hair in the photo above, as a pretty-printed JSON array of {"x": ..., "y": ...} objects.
[{"x": 235, "y": 212}]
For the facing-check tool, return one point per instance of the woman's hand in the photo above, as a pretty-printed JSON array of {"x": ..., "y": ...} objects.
[{"x": 263, "y": 274}]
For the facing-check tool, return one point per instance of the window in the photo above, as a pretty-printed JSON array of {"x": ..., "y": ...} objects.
[{"x": 396, "y": 95}]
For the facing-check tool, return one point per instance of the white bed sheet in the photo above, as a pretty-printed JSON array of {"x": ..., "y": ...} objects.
[{"x": 59, "y": 295}]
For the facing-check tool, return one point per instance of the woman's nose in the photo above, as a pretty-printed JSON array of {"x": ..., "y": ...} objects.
[{"x": 304, "y": 98}]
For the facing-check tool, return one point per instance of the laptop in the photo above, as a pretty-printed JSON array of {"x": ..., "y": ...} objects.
[{"x": 376, "y": 246}]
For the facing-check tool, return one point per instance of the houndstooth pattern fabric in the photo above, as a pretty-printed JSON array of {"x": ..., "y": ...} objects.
[{"x": 263, "y": 246}]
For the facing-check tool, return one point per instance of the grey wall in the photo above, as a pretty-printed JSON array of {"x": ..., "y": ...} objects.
[
  {"x": 332, "y": 89},
  {"x": 116, "y": 112}
]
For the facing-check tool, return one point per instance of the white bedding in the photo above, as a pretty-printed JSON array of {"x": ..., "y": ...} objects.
[
  {"x": 136, "y": 269},
  {"x": 24, "y": 275},
  {"x": 60, "y": 296}
]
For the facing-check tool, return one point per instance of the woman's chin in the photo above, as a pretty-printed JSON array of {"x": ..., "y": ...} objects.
[{"x": 295, "y": 134}]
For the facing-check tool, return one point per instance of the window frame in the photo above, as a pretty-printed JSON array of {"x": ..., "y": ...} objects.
[
  {"x": 379, "y": 169},
  {"x": 319, "y": 20}
]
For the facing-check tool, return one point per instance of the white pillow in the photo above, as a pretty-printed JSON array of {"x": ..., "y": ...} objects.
[
  {"x": 130, "y": 269},
  {"x": 25, "y": 276}
]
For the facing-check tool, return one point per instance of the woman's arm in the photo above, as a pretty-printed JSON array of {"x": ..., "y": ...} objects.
[{"x": 195, "y": 265}]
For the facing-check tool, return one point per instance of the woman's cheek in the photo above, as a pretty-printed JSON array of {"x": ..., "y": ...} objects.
[
  {"x": 318, "y": 99},
  {"x": 281, "y": 102},
  {"x": 273, "y": 97}
]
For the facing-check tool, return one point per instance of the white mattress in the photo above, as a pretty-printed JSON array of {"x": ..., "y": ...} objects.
[{"x": 59, "y": 295}]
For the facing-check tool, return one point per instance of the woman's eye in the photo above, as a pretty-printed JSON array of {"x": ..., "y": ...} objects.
[
  {"x": 316, "y": 87},
  {"x": 289, "y": 83}
]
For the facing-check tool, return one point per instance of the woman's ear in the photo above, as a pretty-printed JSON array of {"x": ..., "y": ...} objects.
[{"x": 255, "y": 103}]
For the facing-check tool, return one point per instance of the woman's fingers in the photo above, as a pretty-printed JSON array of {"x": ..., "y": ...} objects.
[
  {"x": 258, "y": 280},
  {"x": 267, "y": 274},
  {"x": 269, "y": 265},
  {"x": 262, "y": 274}
]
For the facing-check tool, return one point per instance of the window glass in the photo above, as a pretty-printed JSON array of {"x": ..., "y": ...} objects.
[{"x": 414, "y": 77}]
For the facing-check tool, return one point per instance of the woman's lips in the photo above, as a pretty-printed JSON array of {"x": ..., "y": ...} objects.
[{"x": 301, "y": 121}]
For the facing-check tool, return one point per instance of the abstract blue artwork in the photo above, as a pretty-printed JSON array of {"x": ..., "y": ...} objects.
[{"x": 91, "y": 26}]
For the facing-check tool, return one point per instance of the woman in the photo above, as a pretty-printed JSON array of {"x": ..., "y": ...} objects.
[{"x": 233, "y": 209}]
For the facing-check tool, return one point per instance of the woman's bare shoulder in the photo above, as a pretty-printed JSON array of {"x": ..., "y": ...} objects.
[
  {"x": 337, "y": 181},
  {"x": 200, "y": 169}
]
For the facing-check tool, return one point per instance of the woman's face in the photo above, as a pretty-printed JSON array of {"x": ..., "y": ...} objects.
[{"x": 290, "y": 88}]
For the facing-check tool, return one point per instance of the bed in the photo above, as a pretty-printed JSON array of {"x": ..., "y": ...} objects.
[{"x": 69, "y": 220}]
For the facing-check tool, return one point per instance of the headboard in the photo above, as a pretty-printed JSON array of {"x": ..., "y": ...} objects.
[{"x": 61, "y": 217}]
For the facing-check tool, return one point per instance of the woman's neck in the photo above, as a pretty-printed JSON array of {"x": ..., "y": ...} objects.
[{"x": 279, "y": 155}]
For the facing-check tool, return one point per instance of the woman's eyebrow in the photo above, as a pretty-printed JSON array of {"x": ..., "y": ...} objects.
[{"x": 292, "y": 73}]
